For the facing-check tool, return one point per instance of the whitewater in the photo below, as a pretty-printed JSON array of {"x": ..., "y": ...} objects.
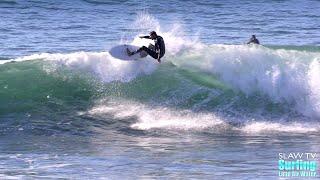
[
  {"x": 210, "y": 110},
  {"x": 286, "y": 79}
]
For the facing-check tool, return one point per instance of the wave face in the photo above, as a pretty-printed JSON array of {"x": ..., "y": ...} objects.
[
  {"x": 216, "y": 88},
  {"x": 213, "y": 108}
]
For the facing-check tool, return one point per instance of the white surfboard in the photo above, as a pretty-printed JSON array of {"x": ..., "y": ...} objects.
[{"x": 120, "y": 52}]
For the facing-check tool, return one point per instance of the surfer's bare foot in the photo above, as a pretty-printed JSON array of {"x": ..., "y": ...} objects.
[
  {"x": 159, "y": 60},
  {"x": 129, "y": 52}
]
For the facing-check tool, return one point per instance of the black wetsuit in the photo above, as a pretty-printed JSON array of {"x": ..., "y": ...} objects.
[
  {"x": 254, "y": 41},
  {"x": 159, "y": 47}
]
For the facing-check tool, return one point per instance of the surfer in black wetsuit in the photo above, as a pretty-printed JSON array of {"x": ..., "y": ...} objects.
[
  {"x": 157, "y": 51},
  {"x": 253, "y": 40}
]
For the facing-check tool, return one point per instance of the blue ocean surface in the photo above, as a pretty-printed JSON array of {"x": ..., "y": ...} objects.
[{"x": 215, "y": 108}]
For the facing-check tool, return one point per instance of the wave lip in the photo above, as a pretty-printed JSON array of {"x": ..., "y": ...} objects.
[
  {"x": 100, "y": 64},
  {"x": 283, "y": 74},
  {"x": 286, "y": 76}
]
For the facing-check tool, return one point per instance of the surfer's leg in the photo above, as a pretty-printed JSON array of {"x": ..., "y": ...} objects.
[
  {"x": 149, "y": 51},
  {"x": 129, "y": 52},
  {"x": 152, "y": 54},
  {"x": 143, "y": 48},
  {"x": 152, "y": 47}
]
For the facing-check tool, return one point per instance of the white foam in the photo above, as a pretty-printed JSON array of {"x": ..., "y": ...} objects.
[
  {"x": 176, "y": 40},
  {"x": 101, "y": 64},
  {"x": 314, "y": 88},
  {"x": 150, "y": 117},
  {"x": 109, "y": 68},
  {"x": 11, "y": 177},
  {"x": 273, "y": 127},
  {"x": 283, "y": 75},
  {"x": 286, "y": 76},
  {"x": 159, "y": 117}
]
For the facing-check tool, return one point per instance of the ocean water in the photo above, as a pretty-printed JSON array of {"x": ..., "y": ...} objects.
[{"x": 215, "y": 108}]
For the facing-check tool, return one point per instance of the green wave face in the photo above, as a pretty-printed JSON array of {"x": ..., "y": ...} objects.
[
  {"x": 38, "y": 87},
  {"x": 26, "y": 86},
  {"x": 57, "y": 92}
]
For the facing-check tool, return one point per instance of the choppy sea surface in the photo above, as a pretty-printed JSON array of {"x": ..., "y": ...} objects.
[{"x": 215, "y": 108}]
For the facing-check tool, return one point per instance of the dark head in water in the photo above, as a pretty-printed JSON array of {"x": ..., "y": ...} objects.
[{"x": 253, "y": 40}]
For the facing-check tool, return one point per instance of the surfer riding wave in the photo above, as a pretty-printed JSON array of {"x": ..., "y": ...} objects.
[{"x": 157, "y": 51}]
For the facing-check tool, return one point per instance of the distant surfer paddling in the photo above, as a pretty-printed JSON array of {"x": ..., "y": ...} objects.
[
  {"x": 157, "y": 51},
  {"x": 253, "y": 40}
]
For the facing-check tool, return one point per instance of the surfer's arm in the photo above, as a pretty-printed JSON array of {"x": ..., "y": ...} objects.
[{"x": 146, "y": 37}]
